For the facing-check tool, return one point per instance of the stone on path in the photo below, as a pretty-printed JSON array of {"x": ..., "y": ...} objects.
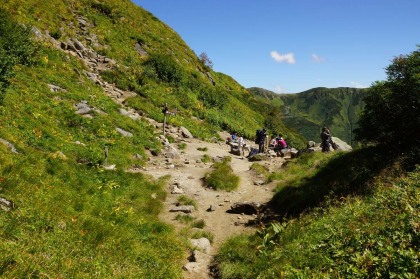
[
  {"x": 182, "y": 208},
  {"x": 201, "y": 243}
]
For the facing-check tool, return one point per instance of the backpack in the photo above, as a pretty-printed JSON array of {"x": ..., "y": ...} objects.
[{"x": 258, "y": 136}]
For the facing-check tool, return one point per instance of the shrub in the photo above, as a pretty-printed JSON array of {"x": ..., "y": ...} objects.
[
  {"x": 15, "y": 47},
  {"x": 222, "y": 177},
  {"x": 164, "y": 68},
  {"x": 391, "y": 114}
]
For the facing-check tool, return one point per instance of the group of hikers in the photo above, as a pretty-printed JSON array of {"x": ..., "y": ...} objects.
[{"x": 277, "y": 143}]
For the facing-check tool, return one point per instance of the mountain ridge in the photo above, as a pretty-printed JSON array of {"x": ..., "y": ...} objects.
[{"x": 308, "y": 111}]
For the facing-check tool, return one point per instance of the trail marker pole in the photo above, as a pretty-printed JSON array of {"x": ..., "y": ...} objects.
[{"x": 164, "y": 111}]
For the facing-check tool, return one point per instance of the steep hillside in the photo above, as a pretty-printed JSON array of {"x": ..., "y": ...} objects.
[
  {"x": 148, "y": 58},
  {"x": 308, "y": 111},
  {"x": 76, "y": 100}
]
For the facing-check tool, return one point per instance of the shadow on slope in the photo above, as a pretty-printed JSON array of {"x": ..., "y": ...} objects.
[{"x": 349, "y": 174}]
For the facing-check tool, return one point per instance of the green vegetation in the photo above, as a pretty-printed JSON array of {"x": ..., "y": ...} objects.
[
  {"x": 354, "y": 215},
  {"x": 351, "y": 234},
  {"x": 200, "y": 233},
  {"x": 222, "y": 177},
  {"x": 16, "y": 48},
  {"x": 72, "y": 218},
  {"x": 206, "y": 158},
  {"x": 204, "y": 149},
  {"x": 349, "y": 215},
  {"x": 259, "y": 169},
  {"x": 185, "y": 218},
  {"x": 182, "y": 146},
  {"x": 391, "y": 116},
  {"x": 307, "y": 112},
  {"x": 184, "y": 200}
]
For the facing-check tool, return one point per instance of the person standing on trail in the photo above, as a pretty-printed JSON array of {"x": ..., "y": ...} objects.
[
  {"x": 260, "y": 140},
  {"x": 241, "y": 144},
  {"x": 325, "y": 139}
]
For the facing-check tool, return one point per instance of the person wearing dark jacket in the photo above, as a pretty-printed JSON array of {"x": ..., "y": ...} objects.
[
  {"x": 261, "y": 135},
  {"x": 325, "y": 139}
]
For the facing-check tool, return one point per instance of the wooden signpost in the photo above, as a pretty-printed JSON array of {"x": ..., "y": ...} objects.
[{"x": 165, "y": 112}]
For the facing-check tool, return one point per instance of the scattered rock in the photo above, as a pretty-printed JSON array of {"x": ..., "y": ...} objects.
[
  {"x": 124, "y": 133},
  {"x": 8, "y": 145},
  {"x": 6, "y": 205},
  {"x": 202, "y": 244},
  {"x": 342, "y": 146},
  {"x": 109, "y": 167},
  {"x": 182, "y": 208},
  {"x": 55, "y": 88},
  {"x": 185, "y": 133},
  {"x": 176, "y": 190},
  {"x": 83, "y": 108},
  {"x": 211, "y": 208}
]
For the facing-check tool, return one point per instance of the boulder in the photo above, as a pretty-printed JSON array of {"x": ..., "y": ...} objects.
[
  {"x": 342, "y": 146},
  {"x": 185, "y": 133},
  {"x": 6, "y": 205},
  {"x": 202, "y": 243}
]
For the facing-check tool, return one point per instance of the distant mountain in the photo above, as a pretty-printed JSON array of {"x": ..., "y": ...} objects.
[{"x": 308, "y": 111}]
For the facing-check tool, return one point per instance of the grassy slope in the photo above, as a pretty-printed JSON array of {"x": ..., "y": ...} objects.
[
  {"x": 74, "y": 219},
  {"x": 367, "y": 225}
]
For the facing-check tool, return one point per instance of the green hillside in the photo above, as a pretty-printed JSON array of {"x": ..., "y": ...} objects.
[
  {"x": 80, "y": 81},
  {"x": 150, "y": 60},
  {"x": 308, "y": 111},
  {"x": 67, "y": 68}
]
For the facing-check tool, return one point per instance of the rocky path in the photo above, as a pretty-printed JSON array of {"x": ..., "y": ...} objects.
[{"x": 186, "y": 172}]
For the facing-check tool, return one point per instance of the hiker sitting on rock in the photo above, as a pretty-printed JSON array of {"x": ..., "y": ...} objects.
[
  {"x": 281, "y": 147},
  {"x": 273, "y": 143}
]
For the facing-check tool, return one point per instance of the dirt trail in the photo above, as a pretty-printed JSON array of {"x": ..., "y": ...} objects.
[{"x": 188, "y": 172}]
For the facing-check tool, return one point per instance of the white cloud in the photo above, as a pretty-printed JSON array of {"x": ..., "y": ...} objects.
[
  {"x": 288, "y": 58},
  {"x": 356, "y": 84},
  {"x": 317, "y": 59},
  {"x": 278, "y": 89}
]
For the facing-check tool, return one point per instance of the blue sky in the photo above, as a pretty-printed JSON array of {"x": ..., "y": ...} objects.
[{"x": 289, "y": 46}]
